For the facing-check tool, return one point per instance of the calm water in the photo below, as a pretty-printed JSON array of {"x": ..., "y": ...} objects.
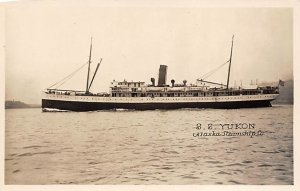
[{"x": 148, "y": 147}]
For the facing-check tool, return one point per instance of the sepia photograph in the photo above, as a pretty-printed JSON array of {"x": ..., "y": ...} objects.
[{"x": 139, "y": 93}]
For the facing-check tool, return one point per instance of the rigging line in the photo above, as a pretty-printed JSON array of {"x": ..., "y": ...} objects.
[
  {"x": 69, "y": 76},
  {"x": 63, "y": 82},
  {"x": 213, "y": 71}
]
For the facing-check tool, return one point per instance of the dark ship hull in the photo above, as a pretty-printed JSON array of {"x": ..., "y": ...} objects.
[{"x": 94, "y": 106}]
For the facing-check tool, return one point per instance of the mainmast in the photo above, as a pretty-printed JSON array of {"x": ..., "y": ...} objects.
[
  {"x": 230, "y": 62},
  {"x": 88, "y": 74}
]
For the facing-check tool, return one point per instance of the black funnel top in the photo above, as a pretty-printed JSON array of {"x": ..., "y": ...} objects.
[{"x": 162, "y": 76}]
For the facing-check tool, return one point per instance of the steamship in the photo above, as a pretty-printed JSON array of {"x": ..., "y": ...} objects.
[{"x": 141, "y": 96}]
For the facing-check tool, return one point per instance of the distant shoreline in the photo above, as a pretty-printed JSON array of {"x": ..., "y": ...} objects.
[
  {"x": 20, "y": 105},
  {"x": 23, "y": 107},
  {"x": 282, "y": 103}
]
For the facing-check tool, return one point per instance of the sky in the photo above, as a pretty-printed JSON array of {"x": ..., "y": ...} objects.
[{"x": 46, "y": 42}]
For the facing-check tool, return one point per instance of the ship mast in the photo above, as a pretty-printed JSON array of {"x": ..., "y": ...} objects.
[
  {"x": 88, "y": 74},
  {"x": 230, "y": 62},
  {"x": 95, "y": 74}
]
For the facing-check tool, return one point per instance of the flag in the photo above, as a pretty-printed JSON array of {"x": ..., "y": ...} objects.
[{"x": 281, "y": 82}]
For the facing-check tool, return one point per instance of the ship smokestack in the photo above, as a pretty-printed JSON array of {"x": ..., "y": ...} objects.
[
  {"x": 173, "y": 82},
  {"x": 153, "y": 81},
  {"x": 184, "y": 82},
  {"x": 162, "y": 76}
]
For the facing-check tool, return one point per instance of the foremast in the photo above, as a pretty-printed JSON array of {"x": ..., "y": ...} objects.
[
  {"x": 88, "y": 74},
  {"x": 89, "y": 84}
]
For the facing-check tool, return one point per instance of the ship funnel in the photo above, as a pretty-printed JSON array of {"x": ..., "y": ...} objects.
[
  {"x": 172, "y": 81},
  {"x": 184, "y": 82},
  {"x": 162, "y": 76},
  {"x": 153, "y": 81}
]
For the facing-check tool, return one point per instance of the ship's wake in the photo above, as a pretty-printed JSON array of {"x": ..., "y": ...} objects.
[{"x": 54, "y": 110}]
